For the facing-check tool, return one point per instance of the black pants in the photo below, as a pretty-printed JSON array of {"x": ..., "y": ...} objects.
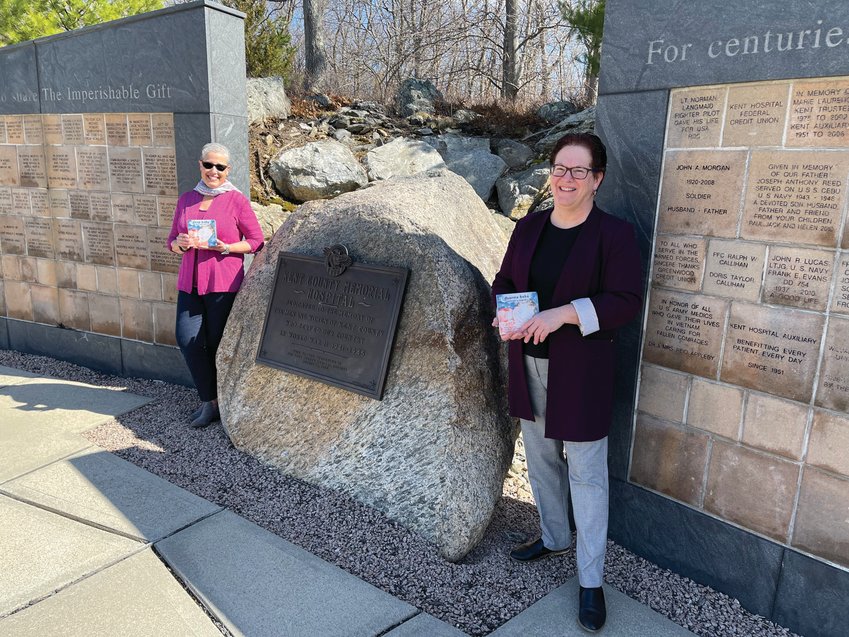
[{"x": 200, "y": 325}]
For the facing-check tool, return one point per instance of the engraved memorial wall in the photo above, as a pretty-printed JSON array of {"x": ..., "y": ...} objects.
[
  {"x": 728, "y": 143},
  {"x": 95, "y": 147}
]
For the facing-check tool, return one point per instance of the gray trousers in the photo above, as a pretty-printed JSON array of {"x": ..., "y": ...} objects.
[{"x": 552, "y": 478}]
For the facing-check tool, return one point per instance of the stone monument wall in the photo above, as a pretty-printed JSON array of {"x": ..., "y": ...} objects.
[
  {"x": 728, "y": 132},
  {"x": 95, "y": 146}
]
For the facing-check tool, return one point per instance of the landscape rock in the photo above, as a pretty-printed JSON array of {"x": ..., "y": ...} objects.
[
  {"x": 417, "y": 96},
  {"x": 515, "y": 154},
  {"x": 555, "y": 112},
  {"x": 470, "y": 158},
  {"x": 318, "y": 170},
  {"x": 270, "y": 217},
  {"x": 516, "y": 191},
  {"x": 401, "y": 157},
  {"x": 434, "y": 452},
  {"x": 266, "y": 98},
  {"x": 583, "y": 122}
]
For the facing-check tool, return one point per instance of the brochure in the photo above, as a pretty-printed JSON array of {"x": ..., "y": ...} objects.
[
  {"x": 514, "y": 310},
  {"x": 202, "y": 232}
]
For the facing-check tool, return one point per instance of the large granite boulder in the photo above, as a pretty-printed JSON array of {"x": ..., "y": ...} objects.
[
  {"x": 401, "y": 158},
  {"x": 317, "y": 170},
  {"x": 266, "y": 98},
  {"x": 471, "y": 158},
  {"x": 516, "y": 191},
  {"x": 270, "y": 217},
  {"x": 417, "y": 96},
  {"x": 515, "y": 154},
  {"x": 433, "y": 453},
  {"x": 583, "y": 122}
]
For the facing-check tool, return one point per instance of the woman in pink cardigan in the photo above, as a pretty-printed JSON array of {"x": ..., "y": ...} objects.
[{"x": 210, "y": 275}]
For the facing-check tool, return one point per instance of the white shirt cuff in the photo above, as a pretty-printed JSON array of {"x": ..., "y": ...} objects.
[{"x": 587, "y": 318}]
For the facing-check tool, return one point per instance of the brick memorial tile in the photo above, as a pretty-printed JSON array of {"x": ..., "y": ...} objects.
[
  {"x": 123, "y": 208},
  {"x": 684, "y": 332},
  {"x": 60, "y": 203},
  {"x": 663, "y": 393},
  {"x": 695, "y": 117},
  {"x": 61, "y": 167},
  {"x": 755, "y": 114},
  {"x": 80, "y": 204},
  {"x": 146, "y": 210},
  {"x": 798, "y": 277},
  {"x": 39, "y": 234},
  {"x": 95, "y": 129},
  {"x": 161, "y": 258},
  {"x": 700, "y": 192},
  {"x": 821, "y": 526},
  {"x": 678, "y": 262},
  {"x": 12, "y": 237},
  {"x": 15, "y": 129},
  {"x": 136, "y": 320},
  {"x": 105, "y": 313},
  {"x": 99, "y": 243},
  {"x": 160, "y": 172},
  {"x": 829, "y": 441},
  {"x": 819, "y": 114},
  {"x": 775, "y": 425},
  {"x": 73, "y": 308},
  {"x": 68, "y": 240},
  {"x": 772, "y": 350},
  {"x": 9, "y": 175},
  {"x": 31, "y": 167},
  {"x": 795, "y": 196},
  {"x": 131, "y": 247},
  {"x": 140, "y": 130},
  {"x": 92, "y": 168},
  {"x": 45, "y": 304},
  {"x": 100, "y": 206},
  {"x": 2, "y": 131},
  {"x": 52, "y": 125},
  {"x": 117, "y": 133},
  {"x": 840, "y": 301},
  {"x": 73, "y": 132},
  {"x": 21, "y": 204},
  {"x": 167, "y": 206},
  {"x": 715, "y": 408},
  {"x": 734, "y": 269},
  {"x": 39, "y": 202},
  {"x": 833, "y": 390},
  {"x": 162, "y": 125},
  {"x": 125, "y": 170},
  {"x": 5, "y": 201},
  {"x": 33, "y": 131}
]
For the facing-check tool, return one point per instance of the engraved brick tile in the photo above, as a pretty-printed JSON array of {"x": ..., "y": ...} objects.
[
  {"x": 752, "y": 489},
  {"x": 775, "y": 425},
  {"x": 46, "y": 270},
  {"x": 829, "y": 444},
  {"x": 715, "y": 408},
  {"x": 833, "y": 390},
  {"x": 105, "y": 314},
  {"x": 29, "y": 269},
  {"x": 151, "y": 286},
  {"x": 128, "y": 283},
  {"x": 678, "y": 262},
  {"x": 66, "y": 274},
  {"x": 11, "y": 267},
  {"x": 662, "y": 393},
  {"x": 107, "y": 280},
  {"x": 734, "y": 269},
  {"x": 754, "y": 115},
  {"x": 86, "y": 277},
  {"x": 18, "y": 301},
  {"x": 137, "y": 320},
  {"x": 821, "y": 525},
  {"x": 45, "y": 304},
  {"x": 2, "y": 298},
  {"x": 169, "y": 287},
  {"x": 669, "y": 459},
  {"x": 164, "y": 317},
  {"x": 695, "y": 117},
  {"x": 73, "y": 309}
]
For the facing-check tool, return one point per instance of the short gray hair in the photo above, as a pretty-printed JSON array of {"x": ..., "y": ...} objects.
[{"x": 214, "y": 147}]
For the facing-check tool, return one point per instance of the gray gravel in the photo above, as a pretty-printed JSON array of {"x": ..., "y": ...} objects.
[{"x": 476, "y": 595}]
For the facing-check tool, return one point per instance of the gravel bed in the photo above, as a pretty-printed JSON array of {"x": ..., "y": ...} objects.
[{"x": 476, "y": 595}]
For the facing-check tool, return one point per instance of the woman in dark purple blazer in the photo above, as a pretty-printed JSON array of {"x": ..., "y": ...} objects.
[{"x": 585, "y": 266}]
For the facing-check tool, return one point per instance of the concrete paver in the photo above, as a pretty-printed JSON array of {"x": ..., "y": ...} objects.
[
  {"x": 137, "y": 597},
  {"x": 557, "y": 614},
  {"x": 112, "y": 493},
  {"x": 43, "y": 551},
  {"x": 258, "y": 584},
  {"x": 424, "y": 625},
  {"x": 12, "y": 376},
  {"x": 25, "y": 447}
]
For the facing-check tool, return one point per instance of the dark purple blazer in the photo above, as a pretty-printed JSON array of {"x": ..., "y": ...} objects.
[{"x": 605, "y": 267}]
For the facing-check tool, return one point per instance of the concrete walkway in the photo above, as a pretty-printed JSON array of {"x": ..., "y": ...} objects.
[{"x": 91, "y": 545}]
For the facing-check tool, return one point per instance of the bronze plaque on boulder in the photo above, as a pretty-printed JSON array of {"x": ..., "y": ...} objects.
[{"x": 334, "y": 328}]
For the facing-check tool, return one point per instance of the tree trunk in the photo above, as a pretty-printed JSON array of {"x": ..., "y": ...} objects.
[
  {"x": 315, "y": 61},
  {"x": 509, "y": 81}
]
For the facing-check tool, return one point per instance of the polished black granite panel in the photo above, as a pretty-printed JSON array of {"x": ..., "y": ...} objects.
[
  {"x": 18, "y": 79},
  {"x": 4, "y": 334},
  {"x": 145, "y": 360},
  {"x": 812, "y": 597},
  {"x": 652, "y": 44}
]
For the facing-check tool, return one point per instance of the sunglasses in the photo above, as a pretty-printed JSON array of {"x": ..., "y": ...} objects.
[{"x": 208, "y": 165}]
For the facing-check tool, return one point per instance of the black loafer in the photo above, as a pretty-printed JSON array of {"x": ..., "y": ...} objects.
[
  {"x": 592, "y": 612},
  {"x": 533, "y": 551}
]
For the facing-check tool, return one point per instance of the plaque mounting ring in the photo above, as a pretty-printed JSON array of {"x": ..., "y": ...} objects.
[{"x": 337, "y": 259}]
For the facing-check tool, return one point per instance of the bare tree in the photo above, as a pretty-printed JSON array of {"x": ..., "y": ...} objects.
[{"x": 315, "y": 56}]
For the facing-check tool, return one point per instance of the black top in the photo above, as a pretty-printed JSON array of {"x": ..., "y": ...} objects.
[{"x": 550, "y": 256}]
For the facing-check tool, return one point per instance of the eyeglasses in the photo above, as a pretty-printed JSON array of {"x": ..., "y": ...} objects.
[
  {"x": 208, "y": 165},
  {"x": 578, "y": 172}
]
